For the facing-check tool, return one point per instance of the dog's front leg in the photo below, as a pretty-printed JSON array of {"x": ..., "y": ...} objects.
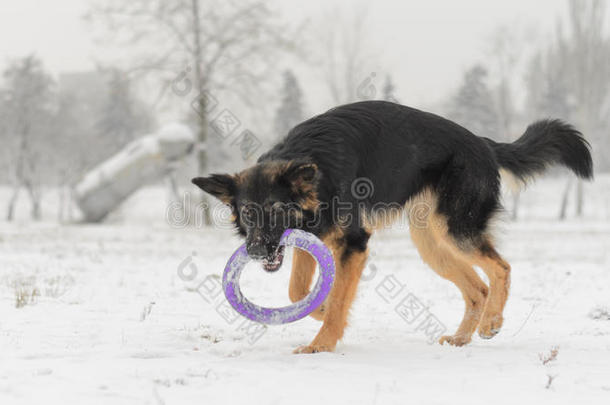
[
  {"x": 303, "y": 269},
  {"x": 349, "y": 266}
]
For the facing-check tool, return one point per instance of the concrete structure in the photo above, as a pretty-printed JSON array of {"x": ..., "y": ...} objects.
[{"x": 142, "y": 161}]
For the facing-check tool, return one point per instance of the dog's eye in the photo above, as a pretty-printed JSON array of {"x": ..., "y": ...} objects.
[
  {"x": 277, "y": 206},
  {"x": 248, "y": 212}
]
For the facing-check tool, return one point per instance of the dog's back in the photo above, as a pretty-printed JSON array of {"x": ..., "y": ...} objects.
[{"x": 402, "y": 151}]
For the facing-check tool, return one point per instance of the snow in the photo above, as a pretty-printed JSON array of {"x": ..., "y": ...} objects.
[
  {"x": 115, "y": 321},
  {"x": 175, "y": 140}
]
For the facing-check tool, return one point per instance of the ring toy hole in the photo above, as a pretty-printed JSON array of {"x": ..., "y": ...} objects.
[{"x": 276, "y": 316}]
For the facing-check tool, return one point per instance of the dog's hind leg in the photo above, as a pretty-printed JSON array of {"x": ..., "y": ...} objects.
[
  {"x": 444, "y": 260},
  {"x": 430, "y": 234},
  {"x": 474, "y": 291},
  {"x": 303, "y": 269},
  {"x": 498, "y": 272}
]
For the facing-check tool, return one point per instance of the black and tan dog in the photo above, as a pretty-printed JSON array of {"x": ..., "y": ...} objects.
[{"x": 405, "y": 157}]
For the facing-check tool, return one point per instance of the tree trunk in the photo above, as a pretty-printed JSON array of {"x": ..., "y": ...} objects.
[
  {"x": 564, "y": 201},
  {"x": 173, "y": 185},
  {"x": 10, "y": 211},
  {"x": 62, "y": 191},
  {"x": 36, "y": 216},
  {"x": 35, "y": 200},
  {"x": 202, "y": 119},
  {"x": 202, "y": 157},
  {"x": 580, "y": 202},
  {"x": 70, "y": 204},
  {"x": 62, "y": 201}
]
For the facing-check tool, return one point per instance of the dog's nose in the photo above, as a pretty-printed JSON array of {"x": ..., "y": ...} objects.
[{"x": 256, "y": 252}]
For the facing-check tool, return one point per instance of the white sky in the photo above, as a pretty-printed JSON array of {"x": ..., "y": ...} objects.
[{"x": 424, "y": 44}]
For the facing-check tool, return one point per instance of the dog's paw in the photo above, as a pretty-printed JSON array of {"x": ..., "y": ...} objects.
[
  {"x": 455, "y": 340},
  {"x": 490, "y": 326},
  {"x": 313, "y": 348}
]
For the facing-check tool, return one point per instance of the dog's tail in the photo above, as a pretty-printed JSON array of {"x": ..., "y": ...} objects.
[{"x": 543, "y": 144}]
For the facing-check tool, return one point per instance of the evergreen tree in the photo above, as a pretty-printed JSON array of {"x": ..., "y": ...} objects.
[
  {"x": 290, "y": 112},
  {"x": 122, "y": 117},
  {"x": 570, "y": 79},
  {"x": 547, "y": 88},
  {"x": 473, "y": 104},
  {"x": 388, "y": 90}
]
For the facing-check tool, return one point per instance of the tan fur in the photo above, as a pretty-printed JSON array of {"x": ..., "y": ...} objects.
[
  {"x": 514, "y": 184},
  {"x": 451, "y": 259},
  {"x": 310, "y": 200},
  {"x": 273, "y": 170},
  {"x": 382, "y": 218},
  {"x": 347, "y": 276},
  {"x": 498, "y": 272},
  {"x": 431, "y": 239},
  {"x": 438, "y": 249},
  {"x": 303, "y": 269}
]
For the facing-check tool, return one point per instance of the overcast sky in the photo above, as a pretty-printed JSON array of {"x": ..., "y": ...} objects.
[{"x": 425, "y": 45}]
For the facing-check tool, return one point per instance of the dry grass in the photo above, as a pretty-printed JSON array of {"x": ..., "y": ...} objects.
[
  {"x": 547, "y": 361},
  {"x": 28, "y": 290},
  {"x": 25, "y": 295},
  {"x": 146, "y": 311},
  {"x": 550, "y": 380},
  {"x": 600, "y": 313},
  {"x": 547, "y": 358},
  {"x": 57, "y": 286}
]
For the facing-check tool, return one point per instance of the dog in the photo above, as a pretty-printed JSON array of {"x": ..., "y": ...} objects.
[{"x": 402, "y": 157}]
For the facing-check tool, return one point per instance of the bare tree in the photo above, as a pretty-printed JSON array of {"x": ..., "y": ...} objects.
[
  {"x": 571, "y": 79},
  {"x": 122, "y": 117},
  {"x": 505, "y": 54},
  {"x": 588, "y": 57},
  {"x": 223, "y": 45},
  {"x": 389, "y": 90},
  {"x": 290, "y": 111},
  {"x": 28, "y": 106},
  {"x": 344, "y": 54},
  {"x": 506, "y": 51},
  {"x": 546, "y": 80},
  {"x": 71, "y": 129}
]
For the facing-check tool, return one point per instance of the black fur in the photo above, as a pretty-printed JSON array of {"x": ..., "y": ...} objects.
[
  {"x": 544, "y": 143},
  {"x": 401, "y": 151}
]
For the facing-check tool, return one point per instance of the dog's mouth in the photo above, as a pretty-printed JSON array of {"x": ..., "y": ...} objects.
[{"x": 274, "y": 261}]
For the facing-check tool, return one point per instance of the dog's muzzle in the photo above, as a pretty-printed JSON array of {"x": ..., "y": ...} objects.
[{"x": 273, "y": 261}]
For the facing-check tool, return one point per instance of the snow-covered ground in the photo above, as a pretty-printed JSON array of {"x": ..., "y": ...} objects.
[{"x": 120, "y": 315}]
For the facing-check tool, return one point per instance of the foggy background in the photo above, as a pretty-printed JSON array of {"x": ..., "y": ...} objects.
[
  {"x": 82, "y": 79},
  {"x": 111, "y": 277}
]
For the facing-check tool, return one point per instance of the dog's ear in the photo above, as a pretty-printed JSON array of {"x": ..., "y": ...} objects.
[
  {"x": 221, "y": 186},
  {"x": 301, "y": 175}
]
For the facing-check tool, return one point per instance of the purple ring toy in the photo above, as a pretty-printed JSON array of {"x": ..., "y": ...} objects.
[{"x": 275, "y": 316}]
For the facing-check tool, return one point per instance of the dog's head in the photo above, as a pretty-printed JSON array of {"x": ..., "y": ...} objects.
[{"x": 267, "y": 199}]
